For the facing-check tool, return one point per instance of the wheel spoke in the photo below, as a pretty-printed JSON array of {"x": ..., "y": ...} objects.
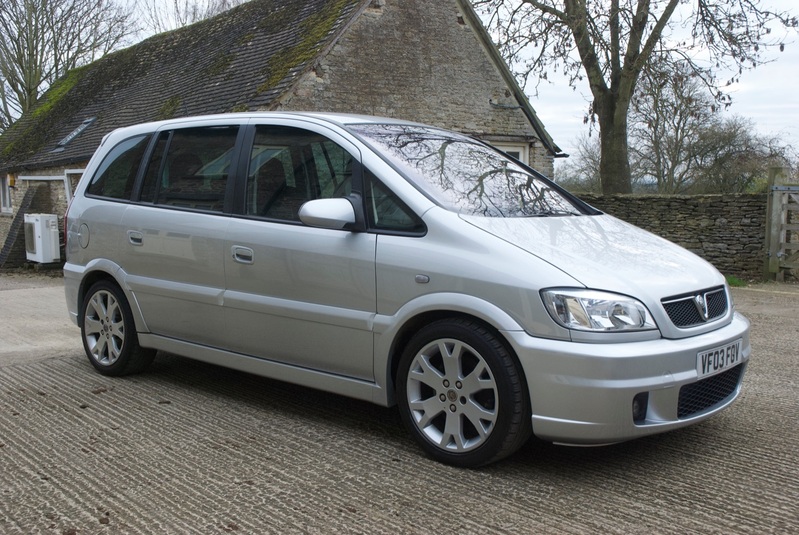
[
  {"x": 92, "y": 326},
  {"x": 100, "y": 349},
  {"x": 112, "y": 310},
  {"x": 453, "y": 438},
  {"x": 481, "y": 418},
  {"x": 478, "y": 380},
  {"x": 425, "y": 410},
  {"x": 114, "y": 349},
  {"x": 424, "y": 372},
  {"x": 98, "y": 305},
  {"x": 451, "y": 352},
  {"x": 118, "y": 329}
]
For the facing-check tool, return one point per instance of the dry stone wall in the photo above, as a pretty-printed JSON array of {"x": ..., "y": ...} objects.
[{"x": 726, "y": 230}]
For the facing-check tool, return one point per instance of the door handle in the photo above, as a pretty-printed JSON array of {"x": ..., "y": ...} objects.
[
  {"x": 242, "y": 255},
  {"x": 135, "y": 237}
]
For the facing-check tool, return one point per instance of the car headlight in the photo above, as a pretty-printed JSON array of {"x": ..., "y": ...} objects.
[{"x": 593, "y": 310}]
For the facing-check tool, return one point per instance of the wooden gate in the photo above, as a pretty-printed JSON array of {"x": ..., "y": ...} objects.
[{"x": 782, "y": 233}]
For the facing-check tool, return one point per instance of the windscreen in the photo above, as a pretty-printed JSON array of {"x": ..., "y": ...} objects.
[{"x": 465, "y": 175}]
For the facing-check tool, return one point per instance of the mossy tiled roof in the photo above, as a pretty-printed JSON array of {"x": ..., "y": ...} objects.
[{"x": 241, "y": 60}]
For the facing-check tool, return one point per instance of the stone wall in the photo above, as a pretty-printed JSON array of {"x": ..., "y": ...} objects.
[
  {"x": 727, "y": 230},
  {"x": 50, "y": 198}
]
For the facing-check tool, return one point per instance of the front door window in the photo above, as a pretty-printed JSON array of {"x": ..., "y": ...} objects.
[{"x": 289, "y": 166}]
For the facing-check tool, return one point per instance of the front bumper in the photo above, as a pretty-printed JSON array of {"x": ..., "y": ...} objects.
[{"x": 583, "y": 393}]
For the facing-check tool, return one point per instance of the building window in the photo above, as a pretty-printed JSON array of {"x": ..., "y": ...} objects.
[
  {"x": 5, "y": 195},
  {"x": 515, "y": 150}
]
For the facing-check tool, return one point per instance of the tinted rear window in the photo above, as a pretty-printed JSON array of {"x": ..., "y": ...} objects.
[{"x": 117, "y": 173}]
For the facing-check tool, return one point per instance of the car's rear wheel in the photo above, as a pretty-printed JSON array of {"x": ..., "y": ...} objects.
[
  {"x": 461, "y": 394},
  {"x": 109, "y": 335}
]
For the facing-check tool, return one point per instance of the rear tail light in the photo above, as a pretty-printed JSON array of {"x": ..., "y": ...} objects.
[{"x": 66, "y": 227}]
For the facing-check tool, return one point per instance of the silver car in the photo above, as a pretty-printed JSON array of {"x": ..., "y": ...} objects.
[{"x": 400, "y": 264}]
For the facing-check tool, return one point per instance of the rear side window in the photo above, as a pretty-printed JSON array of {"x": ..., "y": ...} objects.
[
  {"x": 117, "y": 173},
  {"x": 189, "y": 168}
]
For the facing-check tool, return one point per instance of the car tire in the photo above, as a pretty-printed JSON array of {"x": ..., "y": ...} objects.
[
  {"x": 109, "y": 333},
  {"x": 461, "y": 394}
]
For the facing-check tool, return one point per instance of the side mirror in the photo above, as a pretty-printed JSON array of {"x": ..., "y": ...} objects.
[{"x": 333, "y": 214}]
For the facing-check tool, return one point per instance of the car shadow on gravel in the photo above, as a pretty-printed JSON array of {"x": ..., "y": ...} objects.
[
  {"x": 368, "y": 422},
  {"x": 308, "y": 405}
]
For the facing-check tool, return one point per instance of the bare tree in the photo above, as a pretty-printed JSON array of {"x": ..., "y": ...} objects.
[
  {"x": 40, "y": 40},
  {"x": 680, "y": 145},
  {"x": 610, "y": 43},
  {"x": 684, "y": 144},
  {"x": 668, "y": 115},
  {"x": 730, "y": 157},
  {"x": 157, "y": 16},
  {"x": 581, "y": 171}
]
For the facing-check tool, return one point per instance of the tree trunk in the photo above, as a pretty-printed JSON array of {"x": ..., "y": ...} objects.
[{"x": 614, "y": 163}]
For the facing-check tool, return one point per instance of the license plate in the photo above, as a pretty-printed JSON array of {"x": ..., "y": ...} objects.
[{"x": 718, "y": 359}]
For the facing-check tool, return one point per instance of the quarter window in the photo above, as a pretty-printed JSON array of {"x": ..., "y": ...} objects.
[
  {"x": 385, "y": 211},
  {"x": 117, "y": 173}
]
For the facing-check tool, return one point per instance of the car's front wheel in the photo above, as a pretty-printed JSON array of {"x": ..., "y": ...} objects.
[
  {"x": 109, "y": 335},
  {"x": 461, "y": 394}
]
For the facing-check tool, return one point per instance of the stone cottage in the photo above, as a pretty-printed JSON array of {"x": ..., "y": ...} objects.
[{"x": 422, "y": 60}]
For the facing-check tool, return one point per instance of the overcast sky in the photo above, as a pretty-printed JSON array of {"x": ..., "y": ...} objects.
[{"x": 768, "y": 95}]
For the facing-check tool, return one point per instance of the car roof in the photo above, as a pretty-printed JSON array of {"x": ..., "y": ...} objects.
[{"x": 339, "y": 119}]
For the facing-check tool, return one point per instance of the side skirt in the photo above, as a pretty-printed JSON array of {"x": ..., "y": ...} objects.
[{"x": 328, "y": 382}]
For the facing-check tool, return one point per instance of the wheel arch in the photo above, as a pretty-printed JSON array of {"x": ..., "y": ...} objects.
[
  {"x": 108, "y": 271},
  {"x": 490, "y": 317}
]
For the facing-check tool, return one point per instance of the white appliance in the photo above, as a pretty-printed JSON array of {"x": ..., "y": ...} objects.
[{"x": 41, "y": 238}]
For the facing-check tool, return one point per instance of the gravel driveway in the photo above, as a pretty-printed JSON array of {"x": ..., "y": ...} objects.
[{"x": 192, "y": 448}]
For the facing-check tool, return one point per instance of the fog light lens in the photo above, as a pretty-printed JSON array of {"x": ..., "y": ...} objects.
[{"x": 640, "y": 404}]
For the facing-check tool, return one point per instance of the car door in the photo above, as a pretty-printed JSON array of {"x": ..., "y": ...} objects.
[
  {"x": 295, "y": 294},
  {"x": 175, "y": 235}
]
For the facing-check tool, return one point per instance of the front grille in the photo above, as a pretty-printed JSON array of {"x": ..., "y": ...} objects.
[
  {"x": 685, "y": 312},
  {"x": 703, "y": 394}
]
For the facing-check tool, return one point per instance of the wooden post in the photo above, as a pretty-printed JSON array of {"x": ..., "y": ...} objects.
[{"x": 774, "y": 215}]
